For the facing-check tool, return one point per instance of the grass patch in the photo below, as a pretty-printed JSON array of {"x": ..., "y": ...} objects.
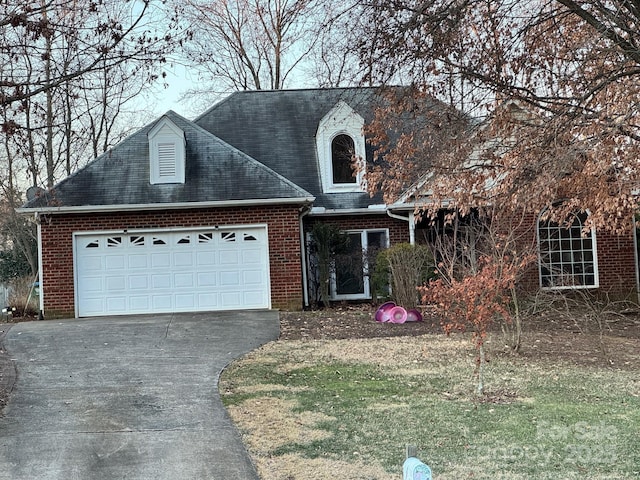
[{"x": 539, "y": 419}]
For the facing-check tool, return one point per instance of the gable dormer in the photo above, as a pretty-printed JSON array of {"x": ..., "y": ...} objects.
[
  {"x": 166, "y": 152},
  {"x": 339, "y": 138}
]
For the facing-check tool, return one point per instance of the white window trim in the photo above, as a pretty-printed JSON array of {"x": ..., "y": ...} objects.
[
  {"x": 365, "y": 267},
  {"x": 596, "y": 275},
  {"x": 341, "y": 120},
  {"x": 164, "y": 133}
]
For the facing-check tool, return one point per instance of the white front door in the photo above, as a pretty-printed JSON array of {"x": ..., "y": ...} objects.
[{"x": 171, "y": 271}]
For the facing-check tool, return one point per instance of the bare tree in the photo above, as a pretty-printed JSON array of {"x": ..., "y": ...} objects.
[
  {"x": 67, "y": 67},
  {"x": 559, "y": 80},
  {"x": 103, "y": 34},
  {"x": 251, "y": 44},
  {"x": 335, "y": 60}
]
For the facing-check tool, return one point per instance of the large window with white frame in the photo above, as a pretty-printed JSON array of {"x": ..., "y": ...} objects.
[
  {"x": 350, "y": 279},
  {"x": 568, "y": 255}
]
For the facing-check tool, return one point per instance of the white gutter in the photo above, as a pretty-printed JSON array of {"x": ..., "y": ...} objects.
[
  {"x": 164, "y": 206},
  {"x": 371, "y": 210},
  {"x": 412, "y": 224}
]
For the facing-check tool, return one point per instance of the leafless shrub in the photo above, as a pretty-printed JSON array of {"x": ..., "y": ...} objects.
[
  {"x": 23, "y": 296},
  {"x": 408, "y": 267}
]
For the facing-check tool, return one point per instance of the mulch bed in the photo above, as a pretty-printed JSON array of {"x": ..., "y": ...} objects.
[
  {"x": 351, "y": 321},
  {"x": 548, "y": 336}
]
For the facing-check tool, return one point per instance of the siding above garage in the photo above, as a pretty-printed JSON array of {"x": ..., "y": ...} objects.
[{"x": 282, "y": 221}]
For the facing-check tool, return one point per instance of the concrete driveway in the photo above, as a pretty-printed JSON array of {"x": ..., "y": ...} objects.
[{"x": 127, "y": 397}]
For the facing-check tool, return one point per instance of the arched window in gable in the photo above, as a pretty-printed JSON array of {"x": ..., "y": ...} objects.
[
  {"x": 340, "y": 140},
  {"x": 342, "y": 152}
]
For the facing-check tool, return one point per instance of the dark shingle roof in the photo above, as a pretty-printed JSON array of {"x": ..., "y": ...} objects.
[
  {"x": 254, "y": 145},
  {"x": 278, "y": 128},
  {"x": 215, "y": 171}
]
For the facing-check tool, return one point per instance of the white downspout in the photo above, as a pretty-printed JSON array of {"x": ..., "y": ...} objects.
[
  {"x": 412, "y": 224},
  {"x": 40, "y": 284},
  {"x": 303, "y": 254}
]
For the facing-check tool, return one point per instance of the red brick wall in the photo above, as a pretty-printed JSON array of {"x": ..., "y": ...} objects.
[
  {"x": 284, "y": 246},
  {"x": 616, "y": 265},
  {"x": 616, "y": 258}
]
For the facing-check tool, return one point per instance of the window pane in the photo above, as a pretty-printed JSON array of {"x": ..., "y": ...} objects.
[
  {"x": 349, "y": 275},
  {"x": 569, "y": 262},
  {"x": 342, "y": 151}
]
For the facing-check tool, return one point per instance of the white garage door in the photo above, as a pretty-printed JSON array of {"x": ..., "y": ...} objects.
[{"x": 161, "y": 271}]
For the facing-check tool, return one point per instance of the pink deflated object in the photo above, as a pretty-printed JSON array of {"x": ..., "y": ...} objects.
[
  {"x": 398, "y": 315},
  {"x": 383, "y": 314},
  {"x": 414, "y": 315}
]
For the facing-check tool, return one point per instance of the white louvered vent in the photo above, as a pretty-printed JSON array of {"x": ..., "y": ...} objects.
[
  {"x": 166, "y": 159},
  {"x": 166, "y": 153}
]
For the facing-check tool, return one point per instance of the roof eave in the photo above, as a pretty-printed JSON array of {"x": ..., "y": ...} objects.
[
  {"x": 165, "y": 206},
  {"x": 326, "y": 212}
]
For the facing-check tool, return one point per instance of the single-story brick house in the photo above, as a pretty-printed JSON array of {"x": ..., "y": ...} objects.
[{"x": 212, "y": 214}]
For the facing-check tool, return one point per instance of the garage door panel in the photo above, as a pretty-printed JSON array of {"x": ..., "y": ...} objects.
[
  {"x": 139, "y": 282},
  {"x": 93, "y": 262},
  {"x": 92, "y": 285},
  {"x": 116, "y": 283},
  {"x": 183, "y": 259},
  {"x": 139, "y": 261},
  {"x": 252, "y": 277},
  {"x": 253, "y": 299},
  {"x": 231, "y": 300},
  {"x": 114, "y": 262},
  {"x": 252, "y": 256},
  {"x": 229, "y": 257},
  {"x": 182, "y": 280},
  {"x": 208, "y": 300},
  {"x": 185, "y": 301},
  {"x": 94, "y": 306},
  {"x": 206, "y": 258},
  {"x": 160, "y": 260},
  {"x": 116, "y": 304},
  {"x": 161, "y": 281},
  {"x": 207, "y": 279},
  {"x": 139, "y": 303},
  {"x": 230, "y": 278},
  {"x": 153, "y": 272},
  {"x": 161, "y": 303}
]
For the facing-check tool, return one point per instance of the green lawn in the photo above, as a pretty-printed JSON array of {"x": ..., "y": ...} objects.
[{"x": 541, "y": 418}]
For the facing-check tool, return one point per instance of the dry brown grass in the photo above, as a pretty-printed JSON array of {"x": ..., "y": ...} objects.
[{"x": 412, "y": 357}]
